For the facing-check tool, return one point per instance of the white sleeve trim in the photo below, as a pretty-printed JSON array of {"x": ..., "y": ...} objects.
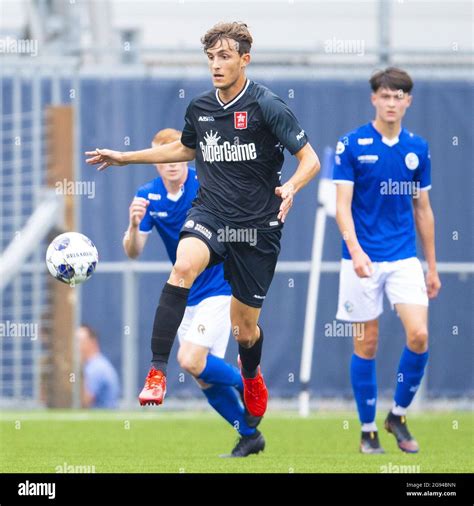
[
  {"x": 342, "y": 181},
  {"x": 145, "y": 231},
  {"x": 425, "y": 188}
]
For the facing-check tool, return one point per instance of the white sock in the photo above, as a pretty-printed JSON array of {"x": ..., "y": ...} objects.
[
  {"x": 369, "y": 427},
  {"x": 398, "y": 410}
]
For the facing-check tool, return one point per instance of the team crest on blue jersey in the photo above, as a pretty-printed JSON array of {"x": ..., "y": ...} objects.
[{"x": 412, "y": 161}]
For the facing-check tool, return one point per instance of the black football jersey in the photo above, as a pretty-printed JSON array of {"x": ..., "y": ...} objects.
[{"x": 239, "y": 153}]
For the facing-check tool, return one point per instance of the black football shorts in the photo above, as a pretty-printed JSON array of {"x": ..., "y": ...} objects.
[{"x": 249, "y": 254}]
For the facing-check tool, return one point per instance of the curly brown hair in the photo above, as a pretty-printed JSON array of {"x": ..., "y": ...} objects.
[{"x": 236, "y": 31}]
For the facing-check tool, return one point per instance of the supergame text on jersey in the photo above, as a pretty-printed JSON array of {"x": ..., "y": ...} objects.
[
  {"x": 239, "y": 153},
  {"x": 387, "y": 175},
  {"x": 167, "y": 214}
]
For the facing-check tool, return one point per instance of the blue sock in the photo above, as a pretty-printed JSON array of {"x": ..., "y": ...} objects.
[
  {"x": 219, "y": 372},
  {"x": 225, "y": 400},
  {"x": 364, "y": 385},
  {"x": 410, "y": 371}
]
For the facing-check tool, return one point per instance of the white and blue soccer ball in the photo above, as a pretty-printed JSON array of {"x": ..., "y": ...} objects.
[{"x": 72, "y": 258}]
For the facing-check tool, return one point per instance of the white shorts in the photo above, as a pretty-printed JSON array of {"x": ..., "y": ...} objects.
[
  {"x": 208, "y": 324},
  {"x": 361, "y": 299}
]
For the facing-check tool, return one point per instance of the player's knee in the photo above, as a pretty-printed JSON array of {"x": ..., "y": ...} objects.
[
  {"x": 190, "y": 363},
  {"x": 183, "y": 270},
  {"x": 418, "y": 340},
  {"x": 369, "y": 350},
  {"x": 244, "y": 333},
  {"x": 366, "y": 344}
]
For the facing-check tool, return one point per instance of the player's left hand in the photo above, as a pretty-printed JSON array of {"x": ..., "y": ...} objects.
[
  {"x": 433, "y": 284},
  {"x": 286, "y": 193}
]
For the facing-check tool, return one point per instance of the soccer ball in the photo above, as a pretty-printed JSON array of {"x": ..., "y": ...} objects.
[{"x": 72, "y": 258}]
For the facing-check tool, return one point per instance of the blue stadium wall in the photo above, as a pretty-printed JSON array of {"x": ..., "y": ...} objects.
[{"x": 124, "y": 114}]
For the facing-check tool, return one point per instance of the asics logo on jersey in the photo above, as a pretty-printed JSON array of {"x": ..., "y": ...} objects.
[
  {"x": 212, "y": 151},
  {"x": 206, "y": 118}
]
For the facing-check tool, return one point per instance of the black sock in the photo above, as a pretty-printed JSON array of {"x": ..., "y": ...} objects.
[
  {"x": 250, "y": 357},
  {"x": 168, "y": 317}
]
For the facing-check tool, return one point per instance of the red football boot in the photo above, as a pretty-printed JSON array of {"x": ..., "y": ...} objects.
[
  {"x": 154, "y": 390},
  {"x": 255, "y": 393}
]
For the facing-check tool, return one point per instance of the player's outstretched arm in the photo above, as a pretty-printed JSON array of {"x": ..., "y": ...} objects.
[
  {"x": 424, "y": 220},
  {"x": 360, "y": 260},
  {"x": 166, "y": 153},
  {"x": 307, "y": 169}
]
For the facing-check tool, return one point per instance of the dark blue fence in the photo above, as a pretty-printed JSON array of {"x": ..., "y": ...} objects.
[
  {"x": 124, "y": 114},
  {"x": 119, "y": 112}
]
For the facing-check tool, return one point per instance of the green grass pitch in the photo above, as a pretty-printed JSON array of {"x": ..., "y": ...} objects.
[{"x": 191, "y": 442}]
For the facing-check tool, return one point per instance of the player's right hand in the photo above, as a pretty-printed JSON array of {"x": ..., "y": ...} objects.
[
  {"x": 105, "y": 157},
  {"x": 362, "y": 264},
  {"x": 137, "y": 210}
]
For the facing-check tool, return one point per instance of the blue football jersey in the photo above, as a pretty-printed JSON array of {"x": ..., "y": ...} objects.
[
  {"x": 387, "y": 175},
  {"x": 167, "y": 213}
]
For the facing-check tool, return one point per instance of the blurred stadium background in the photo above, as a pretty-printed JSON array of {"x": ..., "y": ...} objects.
[{"x": 76, "y": 75}]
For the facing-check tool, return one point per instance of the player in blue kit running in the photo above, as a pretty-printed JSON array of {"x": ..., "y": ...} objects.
[
  {"x": 383, "y": 174},
  {"x": 237, "y": 133},
  {"x": 204, "y": 332}
]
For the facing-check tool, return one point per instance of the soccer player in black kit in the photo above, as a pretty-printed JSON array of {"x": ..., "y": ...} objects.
[{"x": 236, "y": 133}]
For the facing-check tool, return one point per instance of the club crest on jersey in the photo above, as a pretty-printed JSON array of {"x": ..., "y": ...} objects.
[
  {"x": 240, "y": 120},
  {"x": 412, "y": 161}
]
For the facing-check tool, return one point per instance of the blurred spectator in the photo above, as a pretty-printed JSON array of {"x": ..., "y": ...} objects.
[{"x": 100, "y": 380}]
